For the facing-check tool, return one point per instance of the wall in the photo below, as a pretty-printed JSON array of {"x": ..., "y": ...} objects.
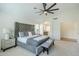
[
  {"x": 11, "y": 13},
  {"x": 7, "y": 21},
  {"x": 69, "y": 16},
  {"x": 69, "y": 29}
]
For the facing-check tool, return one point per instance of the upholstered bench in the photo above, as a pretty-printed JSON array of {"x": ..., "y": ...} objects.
[{"x": 47, "y": 45}]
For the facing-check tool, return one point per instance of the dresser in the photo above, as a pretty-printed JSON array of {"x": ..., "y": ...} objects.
[{"x": 6, "y": 44}]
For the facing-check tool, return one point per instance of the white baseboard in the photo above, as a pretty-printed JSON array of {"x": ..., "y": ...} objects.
[{"x": 69, "y": 39}]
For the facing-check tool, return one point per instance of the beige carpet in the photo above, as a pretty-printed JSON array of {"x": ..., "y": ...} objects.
[{"x": 61, "y": 48}]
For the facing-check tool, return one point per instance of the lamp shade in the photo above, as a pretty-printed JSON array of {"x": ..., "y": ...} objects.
[{"x": 5, "y": 33}]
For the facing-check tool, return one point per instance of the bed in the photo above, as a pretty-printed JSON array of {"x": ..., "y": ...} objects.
[{"x": 31, "y": 43}]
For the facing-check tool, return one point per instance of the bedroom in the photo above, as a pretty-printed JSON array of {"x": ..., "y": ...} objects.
[{"x": 62, "y": 24}]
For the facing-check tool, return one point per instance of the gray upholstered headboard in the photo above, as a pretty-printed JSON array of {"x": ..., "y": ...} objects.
[{"x": 20, "y": 27}]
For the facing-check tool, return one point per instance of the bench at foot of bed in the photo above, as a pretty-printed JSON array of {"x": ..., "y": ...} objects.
[{"x": 46, "y": 45}]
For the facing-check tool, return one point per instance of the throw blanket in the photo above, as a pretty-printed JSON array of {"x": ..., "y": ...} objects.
[{"x": 37, "y": 41}]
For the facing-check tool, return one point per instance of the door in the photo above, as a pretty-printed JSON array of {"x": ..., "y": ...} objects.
[{"x": 55, "y": 29}]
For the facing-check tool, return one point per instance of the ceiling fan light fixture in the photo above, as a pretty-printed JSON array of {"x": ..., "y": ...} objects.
[{"x": 45, "y": 12}]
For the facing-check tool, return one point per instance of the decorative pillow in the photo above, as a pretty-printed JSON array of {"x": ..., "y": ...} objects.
[
  {"x": 29, "y": 33},
  {"x": 21, "y": 34},
  {"x": 26, "y": 34},
  {"x": 33, "y": 33}
]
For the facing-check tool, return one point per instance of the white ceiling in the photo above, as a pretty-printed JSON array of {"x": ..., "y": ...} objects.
[{"x": 25, "y": 11}]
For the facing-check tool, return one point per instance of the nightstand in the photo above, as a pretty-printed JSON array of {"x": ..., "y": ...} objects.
[
  {"x": 6, "y": 44},
  {"x": 0, "y": 44}
]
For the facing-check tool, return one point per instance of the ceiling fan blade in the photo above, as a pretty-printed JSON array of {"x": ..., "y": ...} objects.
[
  {"x": 44, "y": 5},
  {"x": 54, "y": 9},
  {"x": 51, "y": 6},
  {"x": 38, "y": 12},
  {"x": 41, "y": 10},
  {"x": 50, "y": 12},
  {"x": 41, "y": 13}
]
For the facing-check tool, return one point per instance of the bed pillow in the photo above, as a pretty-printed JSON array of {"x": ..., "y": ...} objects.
[
  {"x": 29, "y": 33},
  {"x": 21, "y": 34}
]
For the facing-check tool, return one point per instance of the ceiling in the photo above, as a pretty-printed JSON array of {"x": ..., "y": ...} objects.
[{"x": 68, "y": 11}]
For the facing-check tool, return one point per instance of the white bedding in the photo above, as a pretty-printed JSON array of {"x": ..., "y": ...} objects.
[{"x": 24, "y": 39}]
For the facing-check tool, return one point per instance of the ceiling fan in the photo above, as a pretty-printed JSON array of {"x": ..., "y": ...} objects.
[{"x": 47, "y": 10}]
